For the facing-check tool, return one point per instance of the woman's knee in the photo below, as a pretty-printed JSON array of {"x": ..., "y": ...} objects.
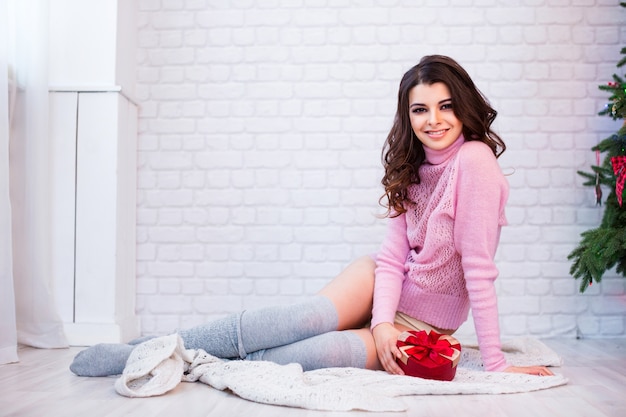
[{"x": 359, "y": 273}]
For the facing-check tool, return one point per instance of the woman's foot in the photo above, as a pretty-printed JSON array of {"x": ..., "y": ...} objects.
[{"x": 103, "y": 359}]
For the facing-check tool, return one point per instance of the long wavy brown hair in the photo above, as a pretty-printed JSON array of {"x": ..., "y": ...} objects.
[{"x": 403, "y": 153}]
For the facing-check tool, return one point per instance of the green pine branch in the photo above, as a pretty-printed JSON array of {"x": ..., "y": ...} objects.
[
  {"x": 604, "y": 247},
  {"x": 599, "y": 250}
]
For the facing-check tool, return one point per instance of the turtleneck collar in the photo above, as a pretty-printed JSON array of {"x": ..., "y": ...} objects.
[{"x": 436, "y": 157}]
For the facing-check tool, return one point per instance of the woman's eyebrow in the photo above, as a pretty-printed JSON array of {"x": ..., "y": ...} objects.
[{"x": 424, "y": 105}]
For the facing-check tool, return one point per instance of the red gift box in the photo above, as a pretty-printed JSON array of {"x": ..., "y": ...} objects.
[{"x": 429, "y": 354}]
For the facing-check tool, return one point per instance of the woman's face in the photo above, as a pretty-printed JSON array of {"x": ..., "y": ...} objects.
[{"x": 432, "y": 117}]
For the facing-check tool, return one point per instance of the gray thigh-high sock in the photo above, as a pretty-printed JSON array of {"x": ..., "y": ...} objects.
[
  {"x": 328, "y": 350},
  {"x": 237, "y": 335},
  {"x": 230, "y": 337}
]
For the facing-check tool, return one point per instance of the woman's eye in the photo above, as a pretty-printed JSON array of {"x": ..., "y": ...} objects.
[
  {"x": 447, "y": 106},
  {"x": 418, "y": 110}
]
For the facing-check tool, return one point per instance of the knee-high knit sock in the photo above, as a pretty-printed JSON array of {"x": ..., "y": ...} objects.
[
  {"x": 333, "y": 349},
  {"x": 239, "y": 334},
  {"x": 233, "y": 336}
]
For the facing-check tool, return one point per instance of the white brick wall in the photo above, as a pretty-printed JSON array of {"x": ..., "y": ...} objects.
[{"x": 261, "y": 126}]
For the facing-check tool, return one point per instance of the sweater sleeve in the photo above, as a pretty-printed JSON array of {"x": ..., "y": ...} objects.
[
  {"x": 481, "y": 195},
  {"x": 390, "y": 271}
]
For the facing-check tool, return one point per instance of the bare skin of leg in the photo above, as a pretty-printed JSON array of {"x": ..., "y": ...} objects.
[{"x": 352, "y": 293}]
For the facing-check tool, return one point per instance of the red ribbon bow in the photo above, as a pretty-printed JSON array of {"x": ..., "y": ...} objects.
[
  {"x": 619, "y": 168},
  {"x": 429, "y": 344}
]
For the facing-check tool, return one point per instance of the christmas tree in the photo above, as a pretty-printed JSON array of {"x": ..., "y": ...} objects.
[{"x": 603, "y": 248}]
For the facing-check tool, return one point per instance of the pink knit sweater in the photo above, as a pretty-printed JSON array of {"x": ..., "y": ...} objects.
[{"x": 437, "y": 259}]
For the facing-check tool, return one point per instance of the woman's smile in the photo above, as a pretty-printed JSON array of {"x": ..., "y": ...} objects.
[{"x": 432, "y": 115}]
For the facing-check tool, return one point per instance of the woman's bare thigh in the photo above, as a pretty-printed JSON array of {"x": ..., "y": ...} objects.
[{"x": 352, "y": 292}]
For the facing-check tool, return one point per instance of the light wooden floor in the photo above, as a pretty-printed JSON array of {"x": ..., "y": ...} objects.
[{"x": 42, "y": 385}]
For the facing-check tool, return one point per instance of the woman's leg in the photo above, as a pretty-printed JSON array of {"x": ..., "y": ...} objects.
[
  {"x": 352, "y": 293},
  {"x": 327, "y": 350},
  {"x": 345, "y": 303},
  {"x": 234, "y": 336},
  {"x": 237, "y": 335},
  {"x": 347, "y": 348},
  {"x": 371, "y": 356}
]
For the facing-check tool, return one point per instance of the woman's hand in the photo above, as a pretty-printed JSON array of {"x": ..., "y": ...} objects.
[
  {"x": 531, "y": 370},
  {"x": 386, "y": 338}
]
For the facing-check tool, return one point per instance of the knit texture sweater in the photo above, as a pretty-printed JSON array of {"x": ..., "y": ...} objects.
[{"x": 437, "y": 259}]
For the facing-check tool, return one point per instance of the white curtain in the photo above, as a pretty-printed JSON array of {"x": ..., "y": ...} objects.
[
  {"x": 26, "y": 218},
  {"x": 8, "y": 335}
]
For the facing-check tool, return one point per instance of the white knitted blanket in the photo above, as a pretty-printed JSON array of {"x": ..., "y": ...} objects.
[{"x": 160, "y": 364}]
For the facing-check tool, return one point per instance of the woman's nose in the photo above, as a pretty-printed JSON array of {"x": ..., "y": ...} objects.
[{"x": 434, "y": 118}]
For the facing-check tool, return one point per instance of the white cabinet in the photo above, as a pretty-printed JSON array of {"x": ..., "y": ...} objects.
[
  {"x": 93, "y": 146},
  {"x": 93, "y": 151}
]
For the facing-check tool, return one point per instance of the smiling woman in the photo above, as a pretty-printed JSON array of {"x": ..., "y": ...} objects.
[
  {"x": 445, "y": 198},
  {"x": 436, "y": 261},
  {"x": 438, "y": 79},
  {"x": 432, "y": 116}
]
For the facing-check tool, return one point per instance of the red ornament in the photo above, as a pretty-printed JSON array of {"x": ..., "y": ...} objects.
[{"x": 619, "y": 168}]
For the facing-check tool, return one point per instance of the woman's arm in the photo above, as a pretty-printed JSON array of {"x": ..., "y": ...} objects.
[
  {"x": 390, "y": 269},
  {"x": 389, "y": 275},
  {"x": 481, "y": 195}
]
